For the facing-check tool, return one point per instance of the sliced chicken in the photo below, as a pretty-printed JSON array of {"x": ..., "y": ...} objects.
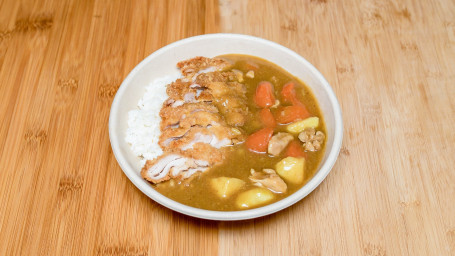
[
  {"x": 181, "y": 138},
  {"x": 208, "y": 138},
  {"x": 203, "y": 119},
  {"x": 171, "y": 166},
  {"x": 228, "y": 95},
  {"x": 231, "y": 88},
  {"x": 278, "y": 142},
  {"x": 171, "y": 116},
  {"x": 181, "y": 92},
  {"x": 218, "y": 89},
  {"x": 221, "y": 83},
  {"x": 176, "y": 89},
  {"x": 176, "y": 112},
  {"x": 193, "y": 66},
  {"x": 199, "y": 119},
  {"x": 234, "y": 108},
  {"x": 227, "y": 103},
  {"x": 169, "y": 135},
  {"x": 189, "y": 98},
  {"x": 205, "y": 152},
  {"x": 204, "y": 79},
  {"x": 268, "y": 179},
  {"x": 236, "y": 118}
]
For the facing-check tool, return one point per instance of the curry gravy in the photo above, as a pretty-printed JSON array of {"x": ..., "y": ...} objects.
[{"x": 196, "y": 191}]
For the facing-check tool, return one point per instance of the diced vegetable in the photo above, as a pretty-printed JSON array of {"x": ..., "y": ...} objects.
[
  {"x": 267, "y": 118},
  {"x": 291, "y": 169},
  {"x": 251, "y": 65},
  {"x": 295, "y": 149},
  {"x": 225, "y": 186},
  {"x": 254, "y": 197},
  {"x": 289, "y": 114},
  {"x": 288, "y": 94},
  {"x": 299, "y": 126},
  {"x": 264, "y": 95},
  {"x": 250, "y": 74},
  {"x": 258, "y": 141}
]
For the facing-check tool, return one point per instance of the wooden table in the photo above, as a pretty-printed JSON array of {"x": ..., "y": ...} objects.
[{"x": 391, "y": 64}]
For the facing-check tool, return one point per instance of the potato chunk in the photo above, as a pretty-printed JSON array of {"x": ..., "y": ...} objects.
[
  {"x": 299, "y": 126},
  {"x": 291, "y": 169},
  {"x": 225, "y": 186},
  {"x": 254, "y": 197}
]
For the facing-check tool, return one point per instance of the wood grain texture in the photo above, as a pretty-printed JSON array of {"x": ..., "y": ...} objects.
[{"x": 391, "y": 64}]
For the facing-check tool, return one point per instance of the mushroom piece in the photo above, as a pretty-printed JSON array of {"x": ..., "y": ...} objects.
[
  {"x": 268, "y": 179},
  {"x": 279, "y": 142},
  {"x": 312, "y": 139}
]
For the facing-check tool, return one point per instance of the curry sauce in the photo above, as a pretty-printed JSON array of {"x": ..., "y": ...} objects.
[{"x": 239, "y": 160}]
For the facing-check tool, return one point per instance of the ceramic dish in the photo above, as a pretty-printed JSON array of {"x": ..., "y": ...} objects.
[{"x": 163, "y": 63}]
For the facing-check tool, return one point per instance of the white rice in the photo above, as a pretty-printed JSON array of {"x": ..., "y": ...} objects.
[{"x": 143, "y": 131}]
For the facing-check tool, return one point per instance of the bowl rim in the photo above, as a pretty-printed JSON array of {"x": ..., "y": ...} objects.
[{"x": 145, "y": 187}]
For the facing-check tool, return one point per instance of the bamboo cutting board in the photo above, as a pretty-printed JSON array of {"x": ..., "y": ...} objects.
[{"x": 391, "y": 64}]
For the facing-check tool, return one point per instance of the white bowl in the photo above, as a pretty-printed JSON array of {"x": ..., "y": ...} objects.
[{"x": 163, "y": 62}]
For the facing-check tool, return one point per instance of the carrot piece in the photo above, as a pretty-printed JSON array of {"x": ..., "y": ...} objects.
[
  {"x": 267, "y": 118},
  {"x": 258, "y": 141},
  {"x": 290, "y": 114},
  {"x": 251, "y": 65},
  {"x": 288, "y": 93},
  {"x": 295, "y": 149},
  {"x": 264, "y": 95}
]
